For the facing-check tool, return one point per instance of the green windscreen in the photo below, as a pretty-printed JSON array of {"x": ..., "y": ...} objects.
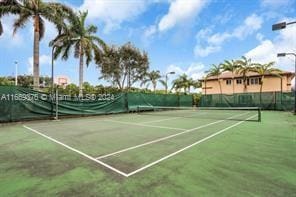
[
  {"x": 265, "y": 100},
  {"x": 19, "y": 103}
]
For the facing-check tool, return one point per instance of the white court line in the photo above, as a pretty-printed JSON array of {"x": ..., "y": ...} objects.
[
  {"x": 167, "y": 137},
  {"x": 143, "y": 125},
  {"x": 77, "y": 151},
  {"x": 187, "y": 147}
]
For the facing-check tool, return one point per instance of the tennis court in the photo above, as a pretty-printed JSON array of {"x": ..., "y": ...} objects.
[
  {"x": 128, "y": 144},
  {"x": 141, "y": 149}
]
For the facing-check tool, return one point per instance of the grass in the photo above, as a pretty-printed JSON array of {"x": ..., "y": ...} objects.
[{"x": 251, "y": 159}]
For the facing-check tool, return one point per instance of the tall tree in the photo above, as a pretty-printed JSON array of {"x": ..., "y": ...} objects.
[
  {"x": 216, "y": 71},
  {"x": 84, "y": 41},
  {"x": 38, "y": 11},
  {"x": 153, "y": 77},
  {"x": 231, "y": 66},
  {"x": 123, "y": 66},
  {"x": 245, "y": 65},
  {"x": 265, "y": 69}
]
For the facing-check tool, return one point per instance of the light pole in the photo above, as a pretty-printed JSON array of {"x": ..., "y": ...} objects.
[
  {"x": 282, "y": 25},
  {"x": 294, "y": 54},
  {"x": 279, "y": 26},
  {"x": 57, "y": 44},
  {"x": 15, "y": 63},
  {"x": 166, "y": 80}
]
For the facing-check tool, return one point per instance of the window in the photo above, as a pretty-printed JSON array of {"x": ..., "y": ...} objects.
[
  {"x": 239, "y": 81},
  {"x": 228, "y": 81},
  {"x": 255, "y": 81}
]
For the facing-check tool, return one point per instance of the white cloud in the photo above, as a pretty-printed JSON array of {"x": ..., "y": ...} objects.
[
  {"x": 251, "y": 24},
  {"x": 195, "y": 70},
  {"x": 203, "y": 52},
  {"x": 179, "y": 12},
  {"x": 267, "y": 50},
  {"x": 113, "y": 12},
  {"x": 150, "y": 31},
  {"x": 43, "y": 60},
  {"x": 260, "y": 37},
  {"x": 263, "y": 53},
  {"x": 208, "y": 43}
]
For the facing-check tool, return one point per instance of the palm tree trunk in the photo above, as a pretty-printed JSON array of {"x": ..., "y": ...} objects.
[
  {"x": 220, "y": 97},
  {"x": 245, "y": 83},
  {"x": 36, "y": 53},
  {"x": 261, "y": 85},
  {"x": 205, "y": 86},
  {"x": 220, "y": 86},
  {"x": 232, "y": 83},
  {"x": 81, "y": 71}
]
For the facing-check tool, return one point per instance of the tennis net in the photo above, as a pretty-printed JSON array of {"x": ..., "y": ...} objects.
[{"x": 219, "y": 113}]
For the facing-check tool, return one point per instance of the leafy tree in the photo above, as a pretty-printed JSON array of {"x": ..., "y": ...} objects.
[
  {"x": 84, "y": 41},
  {"x": 231, "y": 66},
  {"x": 38, "y": 11},
  {"x": 123, "y": 66},
  {"x": 245, "y": 65},
  {"x": 265, "y": 69},
  {"x": 72, "y": 89},
  {"x": 5, "y": 81},
  {"x": 216, "y": 71},
  {"x": 88, "y": 88},
  {"x": 153, "y": 77}
]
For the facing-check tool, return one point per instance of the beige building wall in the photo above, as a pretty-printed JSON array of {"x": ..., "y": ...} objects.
[{"x": 270, "y": 84}]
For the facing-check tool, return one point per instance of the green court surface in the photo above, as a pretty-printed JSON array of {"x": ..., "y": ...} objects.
[{"x": 151, "y": 155}]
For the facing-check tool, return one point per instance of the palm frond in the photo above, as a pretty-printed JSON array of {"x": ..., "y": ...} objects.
[
  {"x": 66, "y": 52},
  {"x": 91, "y": 29},
  {"x": 20, "y": 22},
  {"x": 163, "y": 82},
  {"x": 9, "y": 7}
]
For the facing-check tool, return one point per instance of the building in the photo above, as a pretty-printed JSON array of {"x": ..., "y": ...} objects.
[
  {"x": 233, "y": 83},
  {"x": 62, "y": 81}
]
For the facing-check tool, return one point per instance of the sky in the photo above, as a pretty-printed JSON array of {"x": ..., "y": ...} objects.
[{"x": 185, "y": 36}]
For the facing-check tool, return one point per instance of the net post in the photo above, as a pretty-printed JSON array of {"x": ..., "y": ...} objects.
[{"x": 259, "y": 114}]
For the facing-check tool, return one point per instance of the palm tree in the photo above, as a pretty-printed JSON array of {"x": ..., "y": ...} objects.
[
  {"x": 265, "y": 69},
  {"x": 37, "y": 10},
  {"x": 182, "y": 82},
  {"x": 216, "y": 71},
  {"x": 230, "y": 66},
  {"x": 193, "y": 83},
  {"x": 153, "y": 77},
  {"x": 245, "y": 65},
  {"x": 84, "y": 41}
]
